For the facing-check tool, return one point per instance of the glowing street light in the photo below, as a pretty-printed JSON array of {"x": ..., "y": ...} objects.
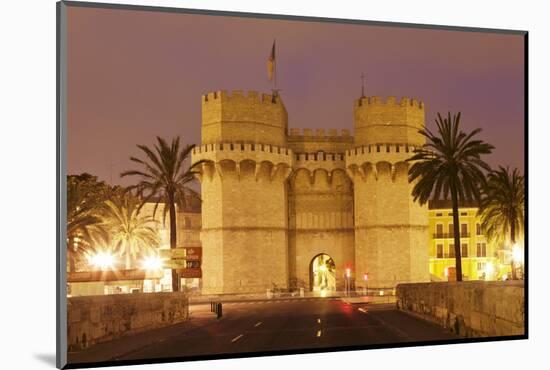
[
  {"x": 517, "y": 253},
  {"x": 152, "y": 263},
  {"x": 348, "y": 272},
  {"x": 489, "y": 269},
  {"x": 102, "y": 260}
]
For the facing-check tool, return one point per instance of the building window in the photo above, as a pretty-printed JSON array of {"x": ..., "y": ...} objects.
[
  {"x": 481, "y": 250},
  {"x": 440, "y": 251},
  {"x": 439, "y": 231},
  {"x": 439, "y": 214},
  {"x": 451, "y": 231},
  {"x": 480, "y": 266},
  {"x": 464, "y": 213},
  {"x": 463, "y": 230},
  {"x": 464, "y": 251},
  {"x": 451, "y": 250},
  {"x": 478, "y": 229}
]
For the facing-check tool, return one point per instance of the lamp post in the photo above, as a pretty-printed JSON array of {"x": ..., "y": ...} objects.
[
  {"x": 366, "y": 278},
  {"x": 517, "y": 259},
  {"x": 347, "y": 280}
]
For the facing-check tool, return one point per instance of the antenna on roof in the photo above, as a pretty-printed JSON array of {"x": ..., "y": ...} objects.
[{"x": 362, "y": 85}]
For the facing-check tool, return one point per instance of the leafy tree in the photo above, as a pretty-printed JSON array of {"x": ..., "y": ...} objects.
[
  {"x": 131, "y": 233},
  {"x": 502, "y": 207},
  {"x": 165, "y": 177},
  {"x": 85, "y": 197},
  {"x": 449, "y": 163}
]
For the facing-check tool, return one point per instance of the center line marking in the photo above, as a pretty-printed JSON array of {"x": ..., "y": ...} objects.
[
  {"x": 258, "y": 324},
  {"x": 236, "y": 338},
  {"x": 318, "y": 333}
]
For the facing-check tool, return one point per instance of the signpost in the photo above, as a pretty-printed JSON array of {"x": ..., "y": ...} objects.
[
  {"x": 185, "y": 260},
  {"x": 173, "y": 259}
]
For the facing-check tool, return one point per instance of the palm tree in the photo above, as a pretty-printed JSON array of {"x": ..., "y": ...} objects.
[
  {"x": 84, "y": 223},
  {"x": 502, "y": 206},
  {"x": 131, "y": 232},
  {"x": 165, "y": 177},
  {"x": 449, "y": 163}
]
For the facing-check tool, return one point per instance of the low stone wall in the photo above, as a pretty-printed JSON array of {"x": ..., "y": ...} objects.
[
  {"x": 470, "y": 308},
  {"x": 95, "y": 319}
]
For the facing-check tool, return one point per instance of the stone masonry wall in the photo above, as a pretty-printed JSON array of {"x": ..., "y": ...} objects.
[
  {"x": 320, "y": 221},
  {"x": 97, "y": 319},
  {"x": 470, "y": 309}
]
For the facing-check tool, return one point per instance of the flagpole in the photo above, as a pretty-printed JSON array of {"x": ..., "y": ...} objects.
[{"x": 275, "y": 69}]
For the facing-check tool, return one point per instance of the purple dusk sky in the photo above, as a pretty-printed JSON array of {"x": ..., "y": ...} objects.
[{"x": 134, "y": 75}]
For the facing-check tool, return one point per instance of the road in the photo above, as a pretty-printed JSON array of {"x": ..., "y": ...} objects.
[{"x": 271, "y": 325}]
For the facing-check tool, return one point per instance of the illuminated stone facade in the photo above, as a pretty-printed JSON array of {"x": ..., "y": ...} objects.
[
  {"x": 274, "y": 198},
  {"x": 481, "y": 259}
]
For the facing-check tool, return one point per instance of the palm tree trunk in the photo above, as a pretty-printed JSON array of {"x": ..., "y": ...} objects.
[
  {"x": 72, "y": 259},
  {"x": 173, "y": 241},
  {"x": 127, "y": 260},
  {"x": 456, "y": 231},
  {"x": 513, "y": 241}
]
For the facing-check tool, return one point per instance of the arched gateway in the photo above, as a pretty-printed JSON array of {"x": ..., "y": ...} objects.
[{"x": 322, "y": 274}]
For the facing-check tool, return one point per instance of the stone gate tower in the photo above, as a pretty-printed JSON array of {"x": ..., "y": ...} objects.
[
  {"x": 391, "y": 234},
  {"x": 243, "y": 180},
  {"x": 275, "y": 199}
]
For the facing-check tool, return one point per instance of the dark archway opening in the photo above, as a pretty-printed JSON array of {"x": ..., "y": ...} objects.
[{"x": 322, "y": 274}]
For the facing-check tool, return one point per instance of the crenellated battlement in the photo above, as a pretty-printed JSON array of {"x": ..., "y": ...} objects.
[
  {"x": 240, "y": 97},
  {"x": 379, "y": 121},
  {"x": 382, "y": 148},
  {"x": 391, "y": 101},
  {"x": 241, "y": 147},
  {"x": 239, "y": 116},
  {"x": 320, "y": 157},
  {"x": 320, "y": 134}
]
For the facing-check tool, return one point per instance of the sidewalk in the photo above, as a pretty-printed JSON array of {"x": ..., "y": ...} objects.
[
  {"x": 353, "y": 297},
  {"x": 119, "y": 347}
]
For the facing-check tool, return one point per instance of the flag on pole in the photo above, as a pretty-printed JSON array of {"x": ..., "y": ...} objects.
[{"x": 271, "y": 63}]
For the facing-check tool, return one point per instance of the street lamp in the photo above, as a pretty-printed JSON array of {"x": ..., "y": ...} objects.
[
  {"x": 517, "y": 253},
  {"x": 489, "y": 270},
  {"x": 152, "y": 263},
  {"x": 347, "y": 280},
  {"x": 102, "y": 260},
  {"x": 517, "y": 258}
]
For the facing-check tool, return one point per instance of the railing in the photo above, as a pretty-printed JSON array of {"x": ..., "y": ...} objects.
[
  {"x": 449, "y": 235},
  {"x": 452, "y": 255}
]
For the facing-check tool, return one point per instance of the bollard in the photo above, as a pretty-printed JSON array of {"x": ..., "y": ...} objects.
[{"x": 219, "y": 310}]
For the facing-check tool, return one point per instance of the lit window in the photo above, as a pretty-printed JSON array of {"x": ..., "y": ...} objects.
[
  {"x": 464, "y": 251},
  {"x": 463, "y": 230},
  {"x": 440, "y": 251}
]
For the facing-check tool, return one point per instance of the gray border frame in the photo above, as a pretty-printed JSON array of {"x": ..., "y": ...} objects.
[
  {"x": 61, "y": 172},
  {"x": 61, "y": 187}
]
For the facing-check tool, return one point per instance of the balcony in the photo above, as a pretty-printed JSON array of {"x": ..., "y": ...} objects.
[{"x": 449, "y": 235}]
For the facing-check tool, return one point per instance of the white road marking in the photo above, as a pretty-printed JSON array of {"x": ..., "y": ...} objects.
[
  {"x": 258, "y": 324},
  {"x": 362, "y": 310},
  {"x": 318, "y": 333},
  {"x": 236, "y": 338},
  {"x": 318, "y": 321}
]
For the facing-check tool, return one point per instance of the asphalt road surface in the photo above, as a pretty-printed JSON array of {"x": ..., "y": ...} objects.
[{"x": 270, "y": 326}]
